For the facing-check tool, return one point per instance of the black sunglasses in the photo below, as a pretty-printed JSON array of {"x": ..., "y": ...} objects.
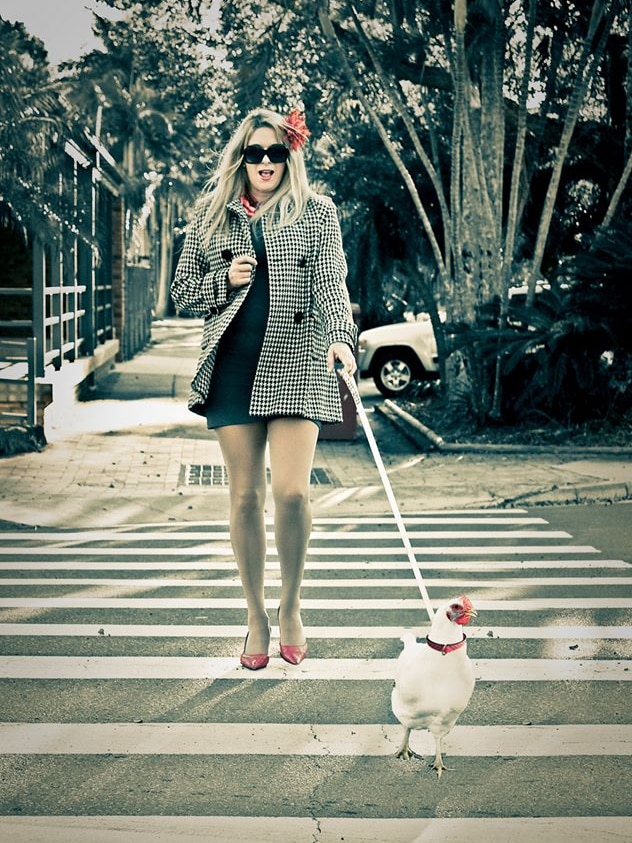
[{"x": 277, "y": 153}]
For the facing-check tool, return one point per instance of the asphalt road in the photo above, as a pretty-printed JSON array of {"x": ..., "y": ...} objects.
[
  {"x": 122, "y": 697},
  {"x": 126, "y": 716},
  {"x": 605, "y": 526}
]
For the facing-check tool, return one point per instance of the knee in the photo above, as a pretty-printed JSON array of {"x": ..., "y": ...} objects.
[
  {"x": 247, "y": 502},
  {"x": 291, "y": 499}
]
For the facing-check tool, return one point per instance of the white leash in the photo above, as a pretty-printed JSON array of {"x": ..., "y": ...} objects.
[{"x": 353, "y": 389}]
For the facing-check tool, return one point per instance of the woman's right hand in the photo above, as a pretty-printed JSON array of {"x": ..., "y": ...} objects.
[{"x": 240, "y": 271}]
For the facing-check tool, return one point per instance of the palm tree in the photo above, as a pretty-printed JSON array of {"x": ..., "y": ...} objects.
[
  {"x": 32, "y": 116},
  {"x": 152, "y": 89}
]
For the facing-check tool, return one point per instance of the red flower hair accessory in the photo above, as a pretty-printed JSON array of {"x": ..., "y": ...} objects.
[{"x": 296, "y": 129}]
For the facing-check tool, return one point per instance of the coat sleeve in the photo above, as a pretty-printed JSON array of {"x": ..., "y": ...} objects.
[
  {"x": 197, "y": 287},
  {"x": 330, "y": 289}
]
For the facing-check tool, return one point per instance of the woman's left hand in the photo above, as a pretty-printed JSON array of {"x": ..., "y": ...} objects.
[{"x": 341, "y": 351}]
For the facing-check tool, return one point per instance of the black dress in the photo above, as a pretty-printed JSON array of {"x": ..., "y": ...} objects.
[{"x": 239, "y": 349}]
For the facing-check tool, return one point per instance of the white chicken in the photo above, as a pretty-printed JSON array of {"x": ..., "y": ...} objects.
[{"x": 434, "y": 679}]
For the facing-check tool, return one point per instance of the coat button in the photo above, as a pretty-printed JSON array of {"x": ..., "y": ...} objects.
[
  {"x": 298, "y": 317},
  {"x": 302, "y": 262},
  {"x": 226, "y": 255}
]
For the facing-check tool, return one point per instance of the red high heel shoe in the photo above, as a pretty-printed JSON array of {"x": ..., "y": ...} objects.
[
  {"x": 254, "y": 662},
  {"x": 291, "y": 653}
]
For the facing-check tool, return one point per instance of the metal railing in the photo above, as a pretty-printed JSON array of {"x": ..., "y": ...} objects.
[
  {"x": 68, "y": 320},
  {"x": 79, "y": 273},
  {"x": 58, "y": 319}
]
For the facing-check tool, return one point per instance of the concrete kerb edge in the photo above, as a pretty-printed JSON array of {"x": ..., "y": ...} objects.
[
  {"x": 608, "y": 491},
  {"x": 422, "y": 434}
]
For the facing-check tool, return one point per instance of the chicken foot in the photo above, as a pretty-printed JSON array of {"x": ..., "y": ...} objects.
[
  {"x": 438, "y": 766},
  {"x": 405, "y": 751}
]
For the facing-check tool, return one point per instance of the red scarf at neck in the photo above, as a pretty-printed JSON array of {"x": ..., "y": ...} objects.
[{"x": 249, "y": 204}]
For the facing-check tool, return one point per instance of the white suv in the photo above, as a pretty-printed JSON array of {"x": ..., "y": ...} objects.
[{"x": 396, "y": 355}]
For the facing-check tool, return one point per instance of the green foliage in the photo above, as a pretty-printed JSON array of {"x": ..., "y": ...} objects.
[
  {"x": 553, "y": 362},
  {"x": 569, "y": 355},
  {"x": 32, "y": 118},
  {"x": 153, "y": 89},
  {"x": 174, "y": 80},
  {"x": 599, "y": 277}
]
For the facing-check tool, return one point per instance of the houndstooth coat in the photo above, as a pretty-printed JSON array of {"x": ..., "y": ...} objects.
[{"x": 309, "y": 308}]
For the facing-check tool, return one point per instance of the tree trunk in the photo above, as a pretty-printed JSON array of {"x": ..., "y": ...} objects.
[
  {"x": 329, "y": 32},
  {"x": 618, "y": 193},
  {"x": 599, "y": 27},
  {"x": 514, "y": 190},
  {"x": 167, "y": 215}
]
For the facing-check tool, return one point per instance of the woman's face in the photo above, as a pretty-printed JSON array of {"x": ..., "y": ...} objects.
[{"x": 265, "y": 177}]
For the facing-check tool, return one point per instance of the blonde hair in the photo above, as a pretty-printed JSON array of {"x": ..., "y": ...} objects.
[{"x": 229, "y": 182}]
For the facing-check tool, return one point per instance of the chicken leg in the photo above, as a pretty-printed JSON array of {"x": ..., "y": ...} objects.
[{"x": 438, "y": 764}]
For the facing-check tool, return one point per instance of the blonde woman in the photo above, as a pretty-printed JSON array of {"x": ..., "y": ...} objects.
[{"x": 263, "y": 263}]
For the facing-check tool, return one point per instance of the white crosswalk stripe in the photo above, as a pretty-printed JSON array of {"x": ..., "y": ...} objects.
[
  {"x": 304, "y": 739},
  {"x": 205, "y": 631},
  {"x": 315, "y": 551},
  {"x": 165, "y": 667},
  {"x": 227, "y": 829},
  {"x": 120, "y": 686},
  {"x": 529, "y": 604}
]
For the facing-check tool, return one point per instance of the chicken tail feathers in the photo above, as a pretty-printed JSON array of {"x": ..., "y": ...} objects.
[{"x": 408, "y": 637}]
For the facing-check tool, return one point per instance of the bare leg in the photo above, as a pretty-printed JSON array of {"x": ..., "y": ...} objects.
[
  {"x": 243, "y": 448},
  {"x": 292, "y": 445}
]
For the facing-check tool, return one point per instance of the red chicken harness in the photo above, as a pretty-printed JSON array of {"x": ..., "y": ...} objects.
[{"x": 444, "y": 649}]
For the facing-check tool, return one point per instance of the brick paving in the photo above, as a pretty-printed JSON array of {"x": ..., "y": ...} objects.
[{"x": 120, "y": 458}]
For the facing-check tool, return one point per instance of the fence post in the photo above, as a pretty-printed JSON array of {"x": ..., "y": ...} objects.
[
  {"x": 57, "y": 305},
  {"x": 39, "y": 315},
  {"x": 31, "y": 362}
]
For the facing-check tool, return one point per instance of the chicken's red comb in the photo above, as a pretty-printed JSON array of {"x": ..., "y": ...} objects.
[{"x": 467, "y": 603}]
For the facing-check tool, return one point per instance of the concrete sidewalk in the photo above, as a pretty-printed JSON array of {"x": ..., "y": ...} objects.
[{"x": 133, "y": 454}]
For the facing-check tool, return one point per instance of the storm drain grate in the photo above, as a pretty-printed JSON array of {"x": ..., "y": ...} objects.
[
  {"x": 216, "y": 475},
  {"x": 321, "y": 477},
  {"x": 205, "y": 475}
]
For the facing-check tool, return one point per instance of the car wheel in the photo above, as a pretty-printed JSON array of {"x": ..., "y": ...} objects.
[{"x": 394, "y": 373}]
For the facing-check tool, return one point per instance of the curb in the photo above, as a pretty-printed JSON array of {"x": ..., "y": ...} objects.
[
  {"x": 391, "y": 411},
  {"x": 606, "y": 492}
]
